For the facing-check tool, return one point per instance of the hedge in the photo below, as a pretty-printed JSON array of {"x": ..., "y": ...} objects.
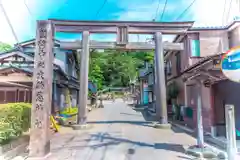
[{"x": 14, "y": 120}]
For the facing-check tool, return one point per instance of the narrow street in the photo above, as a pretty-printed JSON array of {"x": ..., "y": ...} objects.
[{"x": 119, "y": 133}]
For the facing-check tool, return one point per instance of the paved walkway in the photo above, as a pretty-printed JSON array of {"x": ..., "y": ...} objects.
[{"x": 119, "y": 133}]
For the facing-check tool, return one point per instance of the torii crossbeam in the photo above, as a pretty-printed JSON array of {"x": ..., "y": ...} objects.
[{"x": 43, "y": 70}]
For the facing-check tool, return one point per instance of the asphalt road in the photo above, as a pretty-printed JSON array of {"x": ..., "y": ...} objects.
[{"x": 117, "y": 132}]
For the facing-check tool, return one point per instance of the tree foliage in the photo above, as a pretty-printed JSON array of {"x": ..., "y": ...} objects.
[
  {"x": 4, "y": 47},
  {"x": 115, "y": 68}
]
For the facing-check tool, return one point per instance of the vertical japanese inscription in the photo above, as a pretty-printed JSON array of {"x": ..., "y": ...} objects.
[
  {"x": 40, "y": 77},
  {"x": 42, "y": 90}
]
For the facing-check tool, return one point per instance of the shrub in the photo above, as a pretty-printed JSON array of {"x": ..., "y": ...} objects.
[{"x": 14, "y": 120}]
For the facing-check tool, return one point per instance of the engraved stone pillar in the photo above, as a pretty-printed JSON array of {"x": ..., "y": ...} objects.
[
  {"x": 42, "y": 91},
  {"x": 83, "y": 91}
]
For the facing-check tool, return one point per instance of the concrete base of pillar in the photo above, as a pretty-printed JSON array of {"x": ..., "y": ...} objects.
[
  {"x": 205, "y": 152},
  {"x": 101, "y": 106},
  {"x": 162, "y": 126},
  {"x": 39, "y": 158}
]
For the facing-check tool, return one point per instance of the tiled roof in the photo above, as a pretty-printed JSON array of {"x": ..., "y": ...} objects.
[
  {"x": 12, "y": 50},
  {"x": 202, "y": 60},
  {"x": 209, "y": 27},
  {"x": 215, "y": 27}
]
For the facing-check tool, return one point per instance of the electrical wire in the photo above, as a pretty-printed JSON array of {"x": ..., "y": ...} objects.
[
  {"x": 9, "y": 22},
  {"x": 224, "y": 10},
  {"x": 99, "y": 10},
  {"x": 230, "y": 6},
  {"x": 29, "y": 11},
  {"x": 154, "y": 19},
  {"x": 164, "y": 8},
  {"x": 182, "y": 14}
]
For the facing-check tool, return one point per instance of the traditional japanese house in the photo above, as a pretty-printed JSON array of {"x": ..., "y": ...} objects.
[
  {"x": 16, "y": 70},
  {"x": 200, "y": 62},
  {"x": 146, "y": 78}
]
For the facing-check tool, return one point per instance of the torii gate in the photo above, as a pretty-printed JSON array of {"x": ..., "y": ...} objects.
[{"x": 43, "y": 70}]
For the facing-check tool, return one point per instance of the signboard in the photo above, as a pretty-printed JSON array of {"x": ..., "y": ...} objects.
[
  {"x": 217, "y": 64},
  {"x": 231, "y": 64}
]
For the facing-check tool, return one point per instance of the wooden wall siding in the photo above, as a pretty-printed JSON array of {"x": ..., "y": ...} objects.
[
  {"x": 12, "y": 96},
  {"x": 14, "y": 78}
]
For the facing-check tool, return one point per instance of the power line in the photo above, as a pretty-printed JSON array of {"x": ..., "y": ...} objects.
[
  {"x": 230, "y": 6},
  {"x": 29, "y": 11},
  {"x": 164, "y": 8},
  {"x": 99, "y": 10},
  {"x": 154, "y": 19},
  {"x": 224, "y": 10},
  {"x": 180, "y": 16},
  {"x": 8, "y": 21}
]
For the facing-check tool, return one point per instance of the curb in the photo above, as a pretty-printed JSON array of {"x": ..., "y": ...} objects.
[{"x": 221, "y": 154}]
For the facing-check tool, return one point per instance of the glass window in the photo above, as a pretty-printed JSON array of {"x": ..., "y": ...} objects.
[{"x": 195, "y": 48}]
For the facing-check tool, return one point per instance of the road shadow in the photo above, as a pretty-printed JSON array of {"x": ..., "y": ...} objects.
[
  {"x": 140, "y": 123},
  {"x": 104, "y": 140},
  {"x": 147, "y": 116},
  {"x": 185, "y": 158},
  {"x": 129, "y": 114}
]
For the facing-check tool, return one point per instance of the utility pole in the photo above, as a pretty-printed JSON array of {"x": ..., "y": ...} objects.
[{"x": 8, "y": 21}]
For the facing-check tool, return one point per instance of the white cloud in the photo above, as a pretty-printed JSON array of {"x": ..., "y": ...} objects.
[
  {"x": 136, "y": 10},
  {"x": 5, "y": 31},
  {"x": 210, "y": 12},
  {"x": 142, "y": 10},
  {"x": 19, "y": 18},
  {"x": 203, "y": 12}
]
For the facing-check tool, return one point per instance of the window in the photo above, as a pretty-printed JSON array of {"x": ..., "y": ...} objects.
[
  {"x": 195, "y": 48},
  {"x": 178, "y": 63}
]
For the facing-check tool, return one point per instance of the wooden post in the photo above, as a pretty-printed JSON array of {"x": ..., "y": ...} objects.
[
  {"x": 25, "y": 95},
  {"x": 230, "y": 132},
  {"x": 200, "y": 136},
  {"x": 42, "y": 91},
  {"x": 83, "y": 90},
  {"x": 5, "y": 96},
  {"x": 15, "y": 98},
  {"x": 185, "y": 95}
]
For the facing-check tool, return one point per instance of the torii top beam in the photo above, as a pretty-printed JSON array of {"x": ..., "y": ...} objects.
[{"x": 133, "y": 27}]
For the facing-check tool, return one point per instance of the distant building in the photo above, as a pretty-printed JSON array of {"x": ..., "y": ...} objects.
[{"x": 146, "y": 78}]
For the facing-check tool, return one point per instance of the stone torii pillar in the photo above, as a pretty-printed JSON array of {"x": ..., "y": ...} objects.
[
  {"x": 161, "y": 101},
  {"x": 83, "y": 90},
  {"x": 42, "y": 91}
]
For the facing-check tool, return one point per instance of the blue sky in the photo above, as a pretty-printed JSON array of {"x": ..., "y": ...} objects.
[{"x": 203, "y": 12}]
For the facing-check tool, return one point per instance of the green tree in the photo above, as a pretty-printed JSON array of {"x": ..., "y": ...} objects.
[
  {"x": 116, "y": 68},
  {"x": 4, "y": 47}
]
